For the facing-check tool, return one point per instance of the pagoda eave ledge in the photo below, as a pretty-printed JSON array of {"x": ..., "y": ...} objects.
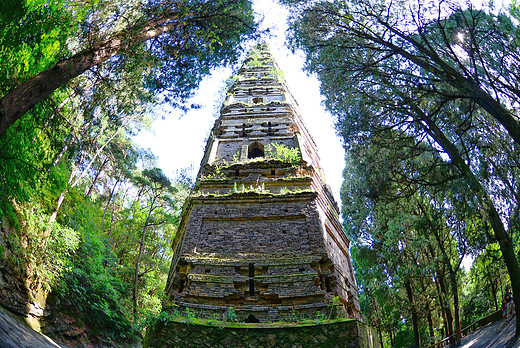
[
  {"x": 261, "y": 259},
  {"x": 229, "y": 182},
  {"x": 263, "y": 163},
  {"x": 258, "y": 105},
  {"x": 253, "y": 196}
]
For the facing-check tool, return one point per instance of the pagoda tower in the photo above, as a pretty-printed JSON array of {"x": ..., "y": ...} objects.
[{"x": 261, "y": 232}]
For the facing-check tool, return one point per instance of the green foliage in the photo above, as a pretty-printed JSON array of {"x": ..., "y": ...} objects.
[
  {"x": 230, "y": 315},
  {"x": 255, "y": 62},
  {"x": 163, "y": 317},
  {"x": 403, "y": 234},
  {"x": 210, "y": 42},
  {"x": 42, "y": 264},
  {"x": 515, "y": 9},
  {"x": 320, "y": 317},
  {"x": 25, "y": 151},
  {"x": 484, "y": 285},
  {"x": 218, "y": 173},
  {"x": 284, "y": 190},
  {"x": 477, "y": 304},
  {"x": 243, "y": 189},
  {"x": 92, "y": 285},
  {"x": 34, "y": 37},
  {"x": 93, "y": 289},
  {"x": 189, "y": 316},
  {"x": 285, "y": 153},
  {"x": 86, "y": 273},
  {"x": 403, "y": 337},
  {"x": 230, "y": 318},
  {"x": 279, "y": 74}
]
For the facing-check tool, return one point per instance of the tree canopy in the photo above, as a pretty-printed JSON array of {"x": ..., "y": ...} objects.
[
  {"x": 436, "y": 86},
  {"x": 179, "y": 41}
]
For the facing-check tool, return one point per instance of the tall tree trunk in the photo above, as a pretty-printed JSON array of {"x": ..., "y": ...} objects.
[
  {"x": 107, "y": 206},
  {"x": 23, "y": 97},
  {"x": 53, "y": 217},
  {"x": 59, "y": 202},
  {"x": 415, "y": 316},
  {"x": 494, "y": 294},
  {"x": 430, "y": 322},
  {"x": 492, "y": 288},
  {"x": 456, "y": 306},
  {"x": 141, "y": 247},
  {"x": 436, "y": 279},
  {"x": 91, "y": 187},
  {"x": 445, "y": 332},
  {"x": 445, "y": 302},
  {"x": 112, "y": 214},
  {"x": 58, "y": 158},
  {"x": 453, "y": 281},
  {"x": 72, "y": 183}
]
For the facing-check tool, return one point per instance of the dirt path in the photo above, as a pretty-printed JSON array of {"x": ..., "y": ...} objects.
[{"x": 499, "y": 334}]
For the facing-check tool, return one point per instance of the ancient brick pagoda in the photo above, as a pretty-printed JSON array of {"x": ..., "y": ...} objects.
[{"x": 261, "y": 233}]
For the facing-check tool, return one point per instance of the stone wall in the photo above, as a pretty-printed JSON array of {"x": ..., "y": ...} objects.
[
  {"x": 350, "y": 333},
  {"x": 231, "y": 226}
]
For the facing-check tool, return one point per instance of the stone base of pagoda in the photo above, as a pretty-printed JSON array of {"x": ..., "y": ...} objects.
[{"x": 340, "y": 333}]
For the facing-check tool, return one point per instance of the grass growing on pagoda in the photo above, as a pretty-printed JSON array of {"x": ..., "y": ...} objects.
[
  {"x": 230, "y": 319},
  {"x": 275, "y": 153},
  {"x": 270, "y": 324},
  {"x": 238, "y": 191}
]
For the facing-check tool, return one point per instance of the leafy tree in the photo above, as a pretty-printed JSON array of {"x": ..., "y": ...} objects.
[
  {"x": 442, "y": 75},
  {"x": 91, "y": 289},
  {"x": 468, "y": 56},
  {"x": 180, "y": 40},
  {"x": 405, "y": 230},
  {"x": 161, "y": 208},
  {"x": 122, "y": 262},
  {"x": 486, "y": 282}
]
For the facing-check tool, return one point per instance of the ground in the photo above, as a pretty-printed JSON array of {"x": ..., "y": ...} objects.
[
  {"x": 499, "y": 334},
  {"x": 14, "y": 334}
]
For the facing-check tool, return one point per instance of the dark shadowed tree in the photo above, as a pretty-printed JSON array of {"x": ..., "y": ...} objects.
[{"x": 444, "y": 75}]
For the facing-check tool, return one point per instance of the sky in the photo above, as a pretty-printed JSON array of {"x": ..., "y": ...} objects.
[{"x": 178, "y": 139}]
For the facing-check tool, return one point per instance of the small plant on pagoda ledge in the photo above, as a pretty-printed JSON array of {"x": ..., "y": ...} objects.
[{"x": 285, "y": 153}]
